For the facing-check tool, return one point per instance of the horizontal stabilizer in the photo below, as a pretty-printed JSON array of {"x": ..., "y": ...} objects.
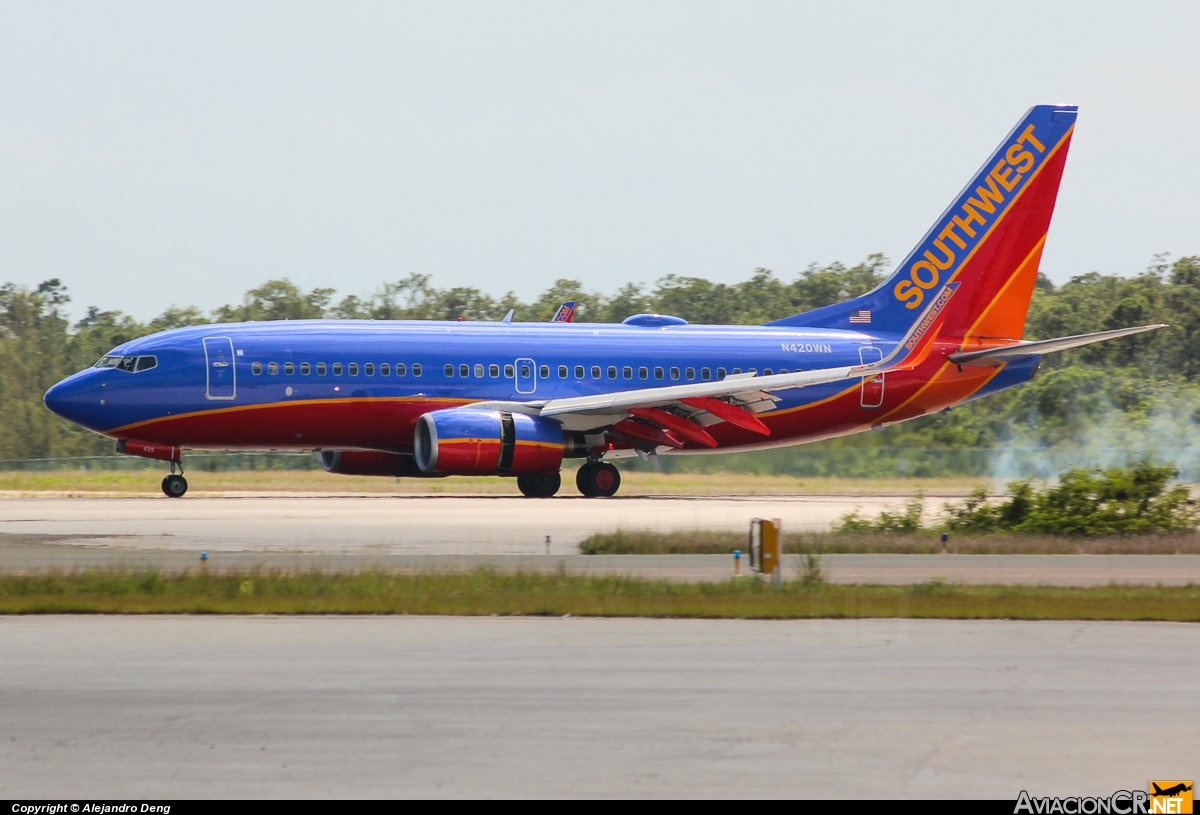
[{"x": 1003, "y": 353}]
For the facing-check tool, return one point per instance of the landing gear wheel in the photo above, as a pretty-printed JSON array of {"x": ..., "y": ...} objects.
[
  {"x": 598, "y": 480},
  {"x": 539, "y": 486},
  {"x": 174, "y": 486}
]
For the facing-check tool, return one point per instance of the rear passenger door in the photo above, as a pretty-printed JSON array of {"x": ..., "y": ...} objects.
[{"x": 220, "y": 372}]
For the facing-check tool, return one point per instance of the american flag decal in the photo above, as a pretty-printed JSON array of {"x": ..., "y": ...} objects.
[{"x": 861, "y": 316}]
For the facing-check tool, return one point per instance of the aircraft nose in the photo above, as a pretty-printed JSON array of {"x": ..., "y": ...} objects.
[
  {"x": 68, "y": 399},
  {"x": 56, "y": 399}
]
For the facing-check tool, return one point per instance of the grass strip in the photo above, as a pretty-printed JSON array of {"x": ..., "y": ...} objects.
[
  {"x": 703, "y": 542},
  {"x": 487, "y": 592}
]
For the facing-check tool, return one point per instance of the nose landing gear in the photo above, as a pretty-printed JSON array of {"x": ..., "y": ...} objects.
[{"x": 598, "y": 479}]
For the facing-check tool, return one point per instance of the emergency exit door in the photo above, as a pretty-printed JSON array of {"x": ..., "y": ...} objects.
[
  {"x": 871, "y": 396},
  {"x": 526, "y": 376}
]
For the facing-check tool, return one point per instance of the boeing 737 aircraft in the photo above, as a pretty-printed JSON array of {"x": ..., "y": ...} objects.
[{"x": 427, "y": 399}]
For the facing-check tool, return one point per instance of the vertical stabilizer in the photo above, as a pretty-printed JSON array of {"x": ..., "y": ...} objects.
[{"x": 989, "y": 241}]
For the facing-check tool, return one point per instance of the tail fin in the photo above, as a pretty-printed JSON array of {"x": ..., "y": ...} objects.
[{"x": 989, "y": 241}]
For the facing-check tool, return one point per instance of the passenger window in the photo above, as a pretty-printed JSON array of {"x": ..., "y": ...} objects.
[
  {"x": 768, "y": 372},
  {"x": 595, "y": 372},
  {"x": 544, "y": 372},
  {"x": 720, "y": 373},
  {"x": 705, "y": 374},
  {"x": 449, "y": 369},
  {"x": 784, "y": 370},
  {"x": 612, "y": 371},
  {"x": 272, "y": 368},
  {"x": 643, "y": 373},
  {"x": 562, "y": 371},
  {"x": 320, "y": 369},
  {"x": 479, "y": 372},
  {"x": 352, "y": 369},
  {"x": 369, "y": 369},
  {"x": 337, "y": 369},
  {"x": 385, "y": 369},
  {"x": 627, "y": 372},
  {"x": 493, "y": 371},
  {"x": 401, "y": 369},
  {"x": 579, "y": 372},
  {"x": 305, "y": 368},
  {"x": 691, "y": 374},
  {"x": 146, "y": 363},
  {"x": 289, "y": 368},
  {"x": 658, "y": 373},
  {"x": 737, "y": 370},
  {"x": 416, "y": 369},
  {"x": 127, "y": 364},
  {"x": 256, "y": 368},
  {"x": 464, "y": 370},
  {"x": 526, "y": 371},
  {"x": 508, "y": 372},
  {"x": 674, "y": 373}
]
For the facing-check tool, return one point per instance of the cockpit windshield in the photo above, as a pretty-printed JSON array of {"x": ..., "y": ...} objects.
[{"x": 131, "y": 364}]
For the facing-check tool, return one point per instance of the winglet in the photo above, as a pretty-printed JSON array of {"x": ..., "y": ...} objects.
[{"x": 565, "y": 312}]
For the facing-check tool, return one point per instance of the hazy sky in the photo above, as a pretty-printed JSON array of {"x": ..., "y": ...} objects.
[{"x": 159, "y": 153}]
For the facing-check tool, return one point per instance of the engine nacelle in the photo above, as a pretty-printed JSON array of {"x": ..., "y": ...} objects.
[
  {"x": 463, "y": 441},
  {"x": 357, "y": 462}
]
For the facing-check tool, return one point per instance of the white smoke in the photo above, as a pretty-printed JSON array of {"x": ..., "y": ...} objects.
[{"x": 1169, "y": 432}]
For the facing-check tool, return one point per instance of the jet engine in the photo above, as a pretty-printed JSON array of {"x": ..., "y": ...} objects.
[{"x": 466, "y": 441}]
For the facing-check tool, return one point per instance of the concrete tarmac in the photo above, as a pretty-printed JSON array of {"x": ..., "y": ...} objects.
[
  {"x": 405, "y": 524},
  {"x": 151, "y": 707},
  {"x": 26, "y": 554}
]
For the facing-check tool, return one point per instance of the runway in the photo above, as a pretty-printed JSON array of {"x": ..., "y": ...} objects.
[
  {"x": 124, "y": 707},
  {"x": 25, "y": 556},
  {"x": 404, "y": 524},
  {"x": 418, "y": 533}
]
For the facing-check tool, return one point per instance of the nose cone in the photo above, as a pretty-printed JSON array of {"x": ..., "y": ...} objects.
[{"x": 74, "y": 398}]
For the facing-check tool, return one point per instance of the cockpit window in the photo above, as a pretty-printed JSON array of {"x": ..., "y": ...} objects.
[{"x": 130, "y": 364}]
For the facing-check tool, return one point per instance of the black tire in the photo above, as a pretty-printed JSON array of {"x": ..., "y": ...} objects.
[
  {"x": 583, "y": 480},
  {"x": 599, "y": 480},
  {"x": 539, "y": 486},
  {"x": 174, "y": 486}
]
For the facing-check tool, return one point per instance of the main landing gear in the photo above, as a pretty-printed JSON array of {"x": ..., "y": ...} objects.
[
  {"x": 539, "y": 486},
  {"x": 598, "y": 479},
  {"x": 174, "y": 485}
]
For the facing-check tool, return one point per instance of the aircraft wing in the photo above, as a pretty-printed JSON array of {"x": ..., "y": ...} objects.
[
  {"x": 908, "y": 353},
  {"x": 989, "y": 356}
]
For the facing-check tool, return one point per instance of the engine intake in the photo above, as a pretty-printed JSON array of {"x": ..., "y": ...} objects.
[{"x": 463, "y": 441}]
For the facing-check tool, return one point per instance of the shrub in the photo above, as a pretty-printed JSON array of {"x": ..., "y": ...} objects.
[{"x": 1113, "y": 501}]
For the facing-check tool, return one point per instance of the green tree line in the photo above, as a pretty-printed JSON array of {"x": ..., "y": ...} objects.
[{"x": 1137, "y": 392}]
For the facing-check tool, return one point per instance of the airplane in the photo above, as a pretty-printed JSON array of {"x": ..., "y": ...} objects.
[
  {"x": 431, "y": 398},
  {"x": 565, "y": 312},
  {"x": 1170, "y": 792}
]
